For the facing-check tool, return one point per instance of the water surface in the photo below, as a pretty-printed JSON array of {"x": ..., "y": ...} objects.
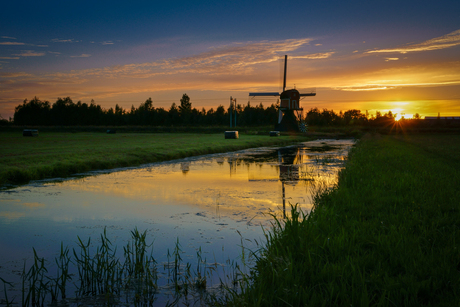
[{"x": 208, "y": 202}]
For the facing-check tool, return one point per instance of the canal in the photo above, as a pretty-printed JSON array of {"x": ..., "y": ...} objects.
[{"x": 212, "y": 207}]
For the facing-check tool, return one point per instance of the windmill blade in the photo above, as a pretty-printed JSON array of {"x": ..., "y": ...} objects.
[
  {"x": 285, "y": 69},
  {"x": 308, "y": 92},
  {"x": 264, "y": 94}
]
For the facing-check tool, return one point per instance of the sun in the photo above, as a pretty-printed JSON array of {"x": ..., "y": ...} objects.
[{"x": 400, "y": 116}]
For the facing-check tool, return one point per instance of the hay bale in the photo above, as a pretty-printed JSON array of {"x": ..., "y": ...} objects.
[
  {"x": 29, "y": 132},
  {"x": 231, "y": 134},
  {"x": 274, "y": 133}
]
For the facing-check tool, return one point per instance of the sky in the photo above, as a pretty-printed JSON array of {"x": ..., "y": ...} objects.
[{"x": 402, "y": 56}]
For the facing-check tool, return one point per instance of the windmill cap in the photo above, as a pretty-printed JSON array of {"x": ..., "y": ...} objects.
[{"x": 290, "y": 94}]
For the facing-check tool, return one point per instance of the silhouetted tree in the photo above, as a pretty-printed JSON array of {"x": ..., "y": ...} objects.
[
  {"x": 314, "y": 117},
  {"x": 3, "y": 122},
  {"x": 62, "y": 112},
  {"x": 185, "y": 109},
  {"x": 173, "y": 115},
  {"x": 34, "y": 112},
  {"x": 354, "y": 117}
]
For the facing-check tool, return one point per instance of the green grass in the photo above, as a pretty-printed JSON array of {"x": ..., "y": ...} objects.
[
  {"x": 387, "y": 235},
  {"x": 55, "y": 154}
]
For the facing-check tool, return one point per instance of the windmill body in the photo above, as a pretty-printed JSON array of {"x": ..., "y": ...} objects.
[{"x": 289, "y": 113}]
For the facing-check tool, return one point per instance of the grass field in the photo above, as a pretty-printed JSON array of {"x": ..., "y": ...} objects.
[
  {"x": 55, "y": 154},
  {"x": 387, "y": 235}
]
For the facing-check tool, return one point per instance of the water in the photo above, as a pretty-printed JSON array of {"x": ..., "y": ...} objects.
[{"x": 213, "y": 203}]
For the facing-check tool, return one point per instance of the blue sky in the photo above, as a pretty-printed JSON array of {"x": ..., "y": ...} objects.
[{"x": 393, "y": 55}]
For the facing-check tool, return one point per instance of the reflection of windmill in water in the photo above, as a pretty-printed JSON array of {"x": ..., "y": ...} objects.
[
  {"x": 289, "y": 160},
  {"x": 290, "y": 112}
]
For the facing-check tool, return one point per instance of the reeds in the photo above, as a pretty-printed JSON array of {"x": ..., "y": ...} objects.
[
  {"x": 6, "y": 301},
  {"x": 36, "y": 282},
  {"x": 97, "y": 274}
]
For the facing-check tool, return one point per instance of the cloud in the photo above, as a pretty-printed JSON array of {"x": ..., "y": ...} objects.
[
  {"x": 57, "y": 40},
  {"x": 107, "y": 43},
  {"x": 83, "y": 55},
  {"x": 9, "y": 58},
  {"x": 8, "y": 37},
  {"x": 14, "y": 75},
  {"x": 371, "y": 87},
  {"x": 446, "y": 41},
  {"x": 235, "y": 59},
  {"x": 27, "y": 53},
  {"x": 314, "y": 56},
  {"x": 12, "y": 43},
  {"x": 391, "y": 59}
]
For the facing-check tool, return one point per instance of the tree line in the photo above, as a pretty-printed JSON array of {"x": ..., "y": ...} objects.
[{"x": 65, "y": 112}]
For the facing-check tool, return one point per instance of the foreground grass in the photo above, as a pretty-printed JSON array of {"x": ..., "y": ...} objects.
[
  {"x": 388, "y": 235},
  {"x": 55, "y": 154}
]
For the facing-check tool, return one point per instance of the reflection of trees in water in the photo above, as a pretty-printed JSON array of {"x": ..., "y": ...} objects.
[
  {"x": 290, "y": 161},
  {"x": 185, "y": 167},
  {"x": 295, "y": 165}
]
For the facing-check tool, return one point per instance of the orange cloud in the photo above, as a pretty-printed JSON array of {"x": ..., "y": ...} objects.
[
  {"x": 446, "y": 41},
  {"x": 314, "y": 56},
  {"x": 12, "y": 43}
]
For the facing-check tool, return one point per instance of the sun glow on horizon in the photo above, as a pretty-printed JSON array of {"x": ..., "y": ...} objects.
[{"x": 400, "y": 116}]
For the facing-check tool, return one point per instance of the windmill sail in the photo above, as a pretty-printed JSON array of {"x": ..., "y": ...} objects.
[{"x": 264, "y": 94}]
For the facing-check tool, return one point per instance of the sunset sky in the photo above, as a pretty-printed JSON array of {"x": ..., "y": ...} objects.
[{"x": 402, "y": 56}]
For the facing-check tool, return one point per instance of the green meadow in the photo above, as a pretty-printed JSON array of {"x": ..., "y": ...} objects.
[
  {"x": 387, "y": 235},
  {"x": 58, "y": 154}
]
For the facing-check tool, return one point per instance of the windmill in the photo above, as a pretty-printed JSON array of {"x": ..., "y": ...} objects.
[{"x": 289, "y": 109}]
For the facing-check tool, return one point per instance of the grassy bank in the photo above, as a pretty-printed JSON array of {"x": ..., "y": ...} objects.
[
  {"x": 388, "y": 235},
  {"x": 55, "y": 154}
]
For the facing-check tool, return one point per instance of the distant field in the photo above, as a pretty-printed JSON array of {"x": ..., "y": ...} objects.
[
  {"x": 387, "y": 235},
  {"x": 55, "y": 154}
]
